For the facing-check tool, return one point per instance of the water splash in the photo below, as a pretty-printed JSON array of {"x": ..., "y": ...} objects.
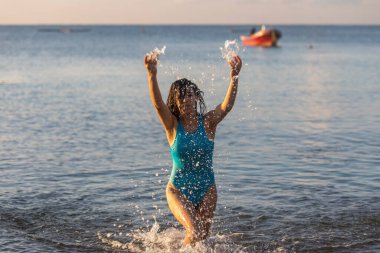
[
  {"x": 160, "y": 51},
  {"x": 168, "y": 240},
  {"x": 230, "y": 49},
  {"x": 155, "y": 53}
]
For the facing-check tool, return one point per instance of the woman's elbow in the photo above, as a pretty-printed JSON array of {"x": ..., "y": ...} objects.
[{"x": 226, "y": 109}]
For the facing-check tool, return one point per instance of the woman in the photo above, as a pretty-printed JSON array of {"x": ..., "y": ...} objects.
[{"x": 191, "y": 191}]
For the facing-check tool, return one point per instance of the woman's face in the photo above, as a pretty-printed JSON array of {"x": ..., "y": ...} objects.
[{"x": 188, "y": 103}]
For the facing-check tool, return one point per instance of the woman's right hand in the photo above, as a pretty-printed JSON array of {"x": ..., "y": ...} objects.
[
  {"x": 235, "y": 65},
  {"x": 150, "y": 61}
]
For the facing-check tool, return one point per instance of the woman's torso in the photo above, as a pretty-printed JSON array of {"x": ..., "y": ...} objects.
[
  {"x": 209, "y": 129},
  {"x": 191, "y": 149},
  {"x": 192, "y": 154}
]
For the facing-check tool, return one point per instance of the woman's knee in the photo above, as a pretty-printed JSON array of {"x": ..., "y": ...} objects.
[
  {"x": 204, "y": 228},
  {"x": 197, "y": 229}
]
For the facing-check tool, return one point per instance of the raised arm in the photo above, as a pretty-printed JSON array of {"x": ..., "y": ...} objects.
[
  {"x": 162, "y": 110},
  {"x": 217, "y": 115}
]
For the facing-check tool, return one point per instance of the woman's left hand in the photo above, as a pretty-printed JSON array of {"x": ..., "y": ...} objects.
[
  {"x": 235, "y": 65},
  {"x": 150, "y": 61}
]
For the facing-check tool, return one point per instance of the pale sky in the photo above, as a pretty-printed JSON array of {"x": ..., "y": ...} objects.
[{"x": 189, "y": 12}]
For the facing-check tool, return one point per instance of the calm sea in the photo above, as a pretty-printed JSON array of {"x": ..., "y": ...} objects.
[{"x": 84, "y": 160}]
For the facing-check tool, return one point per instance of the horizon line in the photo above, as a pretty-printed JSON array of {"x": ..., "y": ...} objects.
[{"x": 189, "y": 24}]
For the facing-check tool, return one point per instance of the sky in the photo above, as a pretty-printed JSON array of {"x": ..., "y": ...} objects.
[{"x": 189, "y": 12}]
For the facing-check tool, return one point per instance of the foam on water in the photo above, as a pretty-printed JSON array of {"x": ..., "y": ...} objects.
[{"x": 168, "y": 240}]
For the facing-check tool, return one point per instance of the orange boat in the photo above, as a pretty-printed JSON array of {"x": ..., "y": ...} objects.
[{"x": 262, "y": 38}]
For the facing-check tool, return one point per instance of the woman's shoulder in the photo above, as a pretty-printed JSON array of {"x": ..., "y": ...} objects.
[
  {"x": 174, "y": 124},
  {"x": 207, "y": 118},
  {"x": 208, "y": 115}
]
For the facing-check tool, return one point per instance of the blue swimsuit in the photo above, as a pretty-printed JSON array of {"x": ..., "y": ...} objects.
[{"x": 192, "y": 172}]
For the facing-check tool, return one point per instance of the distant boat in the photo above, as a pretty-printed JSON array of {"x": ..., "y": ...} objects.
[{"x": 263, "y": 38}]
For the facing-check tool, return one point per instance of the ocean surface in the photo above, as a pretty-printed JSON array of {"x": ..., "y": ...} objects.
[{"x": 84, "y": 161}]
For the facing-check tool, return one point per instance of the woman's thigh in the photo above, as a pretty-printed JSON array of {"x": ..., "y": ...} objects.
[
  {"x": 182, "y": 208},
  {"x": 207, "y": 207}
]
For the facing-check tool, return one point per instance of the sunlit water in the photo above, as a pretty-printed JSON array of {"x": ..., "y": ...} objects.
[{"x": 84, "y": 160}]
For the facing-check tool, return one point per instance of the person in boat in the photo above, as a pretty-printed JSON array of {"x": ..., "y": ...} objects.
[
  {"x": 260, "y": 32},
  {"x": 191, "y": 191}
]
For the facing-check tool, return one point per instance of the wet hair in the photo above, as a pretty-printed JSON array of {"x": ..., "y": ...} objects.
[{"x": 178, "y": 91}]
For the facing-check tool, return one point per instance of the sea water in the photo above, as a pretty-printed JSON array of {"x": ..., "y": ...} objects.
[{"x": 84, "y": 161}]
